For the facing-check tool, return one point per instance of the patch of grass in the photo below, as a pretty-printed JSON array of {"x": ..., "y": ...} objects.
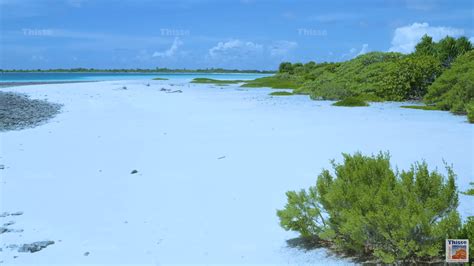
[
  {"x": 160, "y": 79},
  {"x": 280, "y": 93},
  {"x": 351, "y": 102},
  {"x": 421, "y": 107},
  {"x": 271, "y": 82},
  {"x": 215, "y": 81}
]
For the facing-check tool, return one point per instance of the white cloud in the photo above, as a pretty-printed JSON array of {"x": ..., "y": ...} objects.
[
  {"x": 354, "y": 52},
  {"x": 234, "y": 49},
  {"x": 171, "y": 51},
  {"x": 405, "y": 38},
  {"x": 281, "y": 48},
  {"x": 364, "y": 49}
]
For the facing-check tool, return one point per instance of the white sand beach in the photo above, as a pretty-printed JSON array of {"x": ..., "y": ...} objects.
[{"x": 213, "y": 165}]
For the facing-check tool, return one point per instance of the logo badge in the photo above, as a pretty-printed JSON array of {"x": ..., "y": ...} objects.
[{"x": 457, "y": 250}]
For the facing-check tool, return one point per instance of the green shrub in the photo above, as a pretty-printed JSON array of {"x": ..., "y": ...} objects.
[
  {"x": 454, "y": 89},
  {"x": 160, "y": 79},
  {"x": 351, "y": 102},
  {"x": 467, "y": 232},
  {"x": 421, "y": 107},
  {"x": 470, "y": 112},
  {"x": 409, "y": 78},
  {"x": 216, "y": 81},
  {"x": 281, "y": 93},
  {"x": 276, "y": 82},
  {"x": 368, "y": 209}
]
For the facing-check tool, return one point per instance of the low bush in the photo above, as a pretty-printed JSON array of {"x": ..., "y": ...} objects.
[
  {"x": 351, "y": 102},
  {"x": 470, "y": 112},
  {"x": 276, "y": 82},
  {"x": 280, "y": 93},
  {"x": 421, "y": 107},
  {"x": 215, "y": 81},
  {"x": 368, "y": 209},
  {"x": 454, "y": 89}
]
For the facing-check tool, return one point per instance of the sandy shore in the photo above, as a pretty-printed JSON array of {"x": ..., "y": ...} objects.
[{"x": 213, "y": 165}]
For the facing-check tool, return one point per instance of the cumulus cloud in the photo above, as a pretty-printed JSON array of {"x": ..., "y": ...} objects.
[
  {"x": 405, "y": 38},
  {"x": 364, "y": 49},
  {"x": 171, "y": 51},
  {"x": 281, "y": 48},
  {"x": 354, "y": 52},
  {"x": 234, "y": 49}
]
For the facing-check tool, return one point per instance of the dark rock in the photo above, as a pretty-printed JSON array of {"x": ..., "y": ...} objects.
[
  {"x": 35, "y": 246},
  {"x": 16, "y": 213},
  {"x": 8, "y": 223},
  {"x": 18, "y": 111},
  {"x": 134, "y": 172},
  {"x": 87, "y": 253},
  {"x": 12, "y": 246}
]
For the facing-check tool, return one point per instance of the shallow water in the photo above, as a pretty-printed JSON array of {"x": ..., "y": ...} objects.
[{"x": 213, "y": 166}]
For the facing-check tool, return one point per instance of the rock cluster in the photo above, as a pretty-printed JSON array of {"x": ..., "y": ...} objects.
[{"x": 17, "y": 111}]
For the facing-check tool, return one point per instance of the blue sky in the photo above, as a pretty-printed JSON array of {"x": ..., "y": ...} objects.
[{"x": 243, "y": 34}]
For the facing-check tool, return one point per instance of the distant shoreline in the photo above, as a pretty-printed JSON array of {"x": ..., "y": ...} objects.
[
  {"x": 144, "y": 71},
  {"x": 25, "y": 83}
]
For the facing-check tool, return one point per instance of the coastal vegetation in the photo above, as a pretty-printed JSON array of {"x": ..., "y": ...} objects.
[
  {"x": 421, "y": 107},
  {"x": 351, "y": 102},
  {"x": 160, "y": 79},
  {"x": 280, "y": 93},
  {"x": 441, "y": 74},
  {"x": 365, "y": 208},
  {"x": 216, "y": 81},
  {"x": 275, "y": 82},
  {"x": 453, "y": 90}
]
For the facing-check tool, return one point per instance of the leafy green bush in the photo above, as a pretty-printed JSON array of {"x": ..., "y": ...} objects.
[
  {"x": 216, "y": 81},
  {"x": 368, "y": 209},
  {"x": 276, "y": 82},
  {"x": 454, "y": 89},
  {"x": 351, "y": 102},
  {"x": 281, "y": 93},
  {"x": 467, "y": 232},
  {"x": 470, "y": 112},
  {"x": 409, "y": 78},
  {"x": 421, "y": 107}
]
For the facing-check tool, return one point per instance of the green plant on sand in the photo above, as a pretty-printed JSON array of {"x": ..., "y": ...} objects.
[
  {"x": 281, "y": 93},
  {"x": 368, "y": 209},
  {"x": 351, "y": 102}
]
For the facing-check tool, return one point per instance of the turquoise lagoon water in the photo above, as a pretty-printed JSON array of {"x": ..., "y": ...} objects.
[{"x": 85, "y": 76}]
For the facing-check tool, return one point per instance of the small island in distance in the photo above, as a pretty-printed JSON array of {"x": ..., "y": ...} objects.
[{"x": 141, "y": 70}]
